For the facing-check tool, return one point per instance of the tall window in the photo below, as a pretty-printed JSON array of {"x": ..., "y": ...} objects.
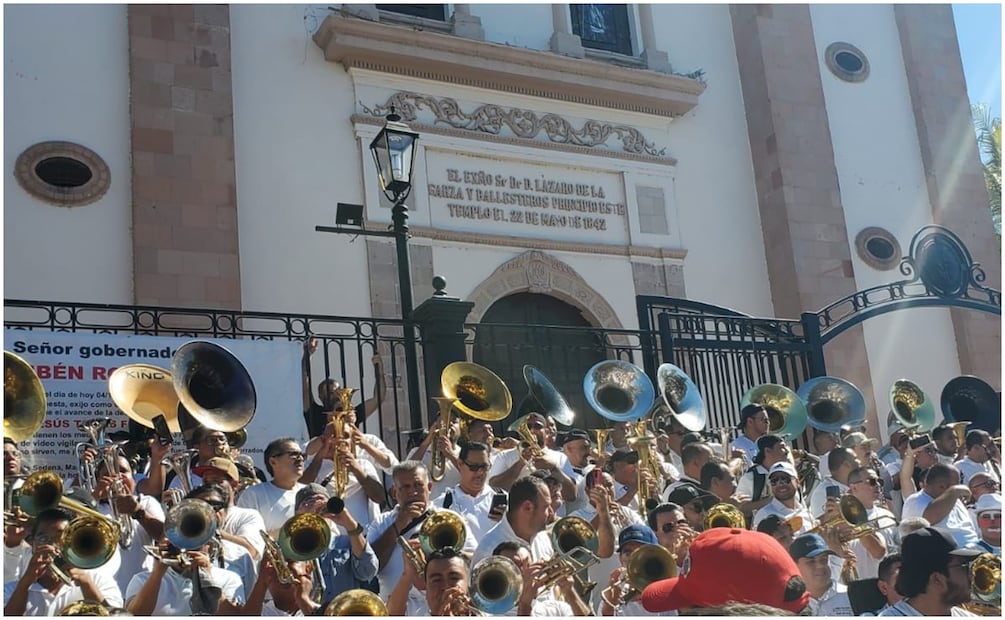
[
  {"x": 428, "y": 11},
  {"x": 603, "y": 27}
]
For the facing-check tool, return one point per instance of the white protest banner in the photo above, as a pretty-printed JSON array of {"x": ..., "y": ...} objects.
[{"x": 74, "y": 370}]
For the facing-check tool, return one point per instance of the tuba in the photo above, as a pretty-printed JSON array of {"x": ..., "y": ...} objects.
[
  {"x": 547, "y": 396},
  {"x": 495, "y": 586},
  {"x": 911, "y": 406},
  {"x": 647, "y": 564},
  {"x": 475, "y": 392},
  {"x": 84, "y": 608},
  {"x": 968, "y": 398},
  {"x": 787, "y": 414},
  {"x": 724, "y": 515},
  {"x": 357, "y": 602},
  {"x": 681, "y": 397},
  {"x": 619, "y": 391},
  {"x": 23, "y": 398},
  {"x": 831, "y": 403},
  {"x": 213, "y": 386}
]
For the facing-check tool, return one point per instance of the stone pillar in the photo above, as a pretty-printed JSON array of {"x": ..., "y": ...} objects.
[
  {"x": 464, "y": 24},
  {"x": 655, "y": 59},
  {"x": 441, "y": 320},
  {"x": 951, "y": 161},
  {"x": 798, "y": 194},
  {"x": 184, "y": 207},
  {"x": 562, "y": 40}
]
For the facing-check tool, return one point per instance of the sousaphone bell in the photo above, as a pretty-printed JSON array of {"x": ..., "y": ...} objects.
[
  {"x": 213, "y": 386},
  {"x": 143, "y": 392},
  {"x": 911, "y": 406},
  {"x": 971, "y": 399},
  {"x": 23, "y": 398},
  {"x": 547, "y": 397},
  {"x": 681, "y": 397},
  {"x": 619, "y": 391},
  {"x": 786, "y": 412},
  {"x": 832, "y": 402}
]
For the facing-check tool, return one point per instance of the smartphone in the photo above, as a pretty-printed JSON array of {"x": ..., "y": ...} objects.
[
  {"x": 161, "y": 430},
  {"x": 596, "y": 476},
  {"x": 499, "y": 500},
  {"x": 921, "y": 440},
  {"x": 833, "y": 491}
]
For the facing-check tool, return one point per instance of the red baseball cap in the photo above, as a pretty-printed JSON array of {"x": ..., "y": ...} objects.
[{"x": 729, "y": 565}]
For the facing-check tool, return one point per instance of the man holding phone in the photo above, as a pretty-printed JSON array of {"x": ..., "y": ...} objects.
[{"x": 472, "y": 498}]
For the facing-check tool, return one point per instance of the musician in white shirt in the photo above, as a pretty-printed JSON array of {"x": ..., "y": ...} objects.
[
  {"x": 276, "y": 500},
  {"x": 472, "y": 498}
]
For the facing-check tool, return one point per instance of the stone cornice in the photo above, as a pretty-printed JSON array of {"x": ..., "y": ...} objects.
[
  {"x": 445, "y": 58},
  {"x": 424, "y": 129},
  {"x": 529, "y": 243}
]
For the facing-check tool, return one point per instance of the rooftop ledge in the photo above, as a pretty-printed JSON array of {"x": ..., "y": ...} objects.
[{"x": 364, "y": 44}]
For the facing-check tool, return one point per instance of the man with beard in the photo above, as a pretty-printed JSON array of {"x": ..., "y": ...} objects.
[
  {"x": 753, "y": 425},
  {"x": 946, "y": 444},
  {"x": 753, "y": 483},
  {"x": 934, "y": 575},
  {"x": 784, "y": 484},
  {"x": 840, "y": 461},
  {"x": 411, "y": 489},
  {"x": 471, "y": 497},
  {"x": 276, "y": 500},
  {"x": 527, "y": 517}
]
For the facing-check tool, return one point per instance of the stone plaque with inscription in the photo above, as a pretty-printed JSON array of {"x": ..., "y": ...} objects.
[{"x": 523, "y": 199}]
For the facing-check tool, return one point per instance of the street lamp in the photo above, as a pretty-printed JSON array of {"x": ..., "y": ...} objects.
[
  {"x": 393, "y": 152},
  {"x": 394, "y": 155}
]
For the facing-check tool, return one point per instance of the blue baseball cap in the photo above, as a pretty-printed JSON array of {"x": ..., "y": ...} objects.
[
  {"x": 636, "y": 533},
  {"x": 808, "y": 546}
]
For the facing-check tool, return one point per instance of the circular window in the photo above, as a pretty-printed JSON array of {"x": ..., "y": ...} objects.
[
  {"x": 878, "y": 248},
  {"x": 847, "y": 62},
  {"x": 62, "y": 173}
]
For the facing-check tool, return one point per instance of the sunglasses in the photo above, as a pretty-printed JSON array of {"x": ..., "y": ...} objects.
[
  {"x": 295, "y": 454},
  {"x": 873, "y": 482},
  {"x": 991, "y": 484},
  {"x": 666, "y": 528},
  {"x": 776, "y": 480},
  {"x": 476, "y": 467}
]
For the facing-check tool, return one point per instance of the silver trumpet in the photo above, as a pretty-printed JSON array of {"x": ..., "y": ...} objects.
[{"x": 181, "y": 463}]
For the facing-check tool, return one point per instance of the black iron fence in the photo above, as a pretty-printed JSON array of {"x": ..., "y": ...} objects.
[{"x": 346, "y": 345}]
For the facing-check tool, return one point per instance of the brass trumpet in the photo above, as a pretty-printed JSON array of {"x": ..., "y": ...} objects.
[
  {"x": 188, "y": 525},
  {"x": 562, "y": 566},
  {"x": 340, "y": 476},
  {"x": 440, "y": 529}
]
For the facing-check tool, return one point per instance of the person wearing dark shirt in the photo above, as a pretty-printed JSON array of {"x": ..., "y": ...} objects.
[{"x": 316, "y": 415}]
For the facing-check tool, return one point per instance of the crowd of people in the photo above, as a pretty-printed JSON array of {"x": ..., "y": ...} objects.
[{"x": 891, "y": 530}]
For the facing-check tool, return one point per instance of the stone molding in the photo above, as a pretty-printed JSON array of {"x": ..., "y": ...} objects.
[
  {"x": 422, "y": 128},
  {"x": 451, "y": 59},
  {"x": 634, "y": 251},
  {"x": 537, "y": 272},
  {"x": 91, "y": 191},
  {"x": 490, "y": 119}
]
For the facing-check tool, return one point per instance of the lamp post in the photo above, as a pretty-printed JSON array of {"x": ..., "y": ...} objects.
[{"x": 393, "y": 152}]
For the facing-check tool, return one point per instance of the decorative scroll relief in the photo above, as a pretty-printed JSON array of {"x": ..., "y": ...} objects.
[
  {"x": 492, "y": 119},
  {"x": 503, "y": 197}
]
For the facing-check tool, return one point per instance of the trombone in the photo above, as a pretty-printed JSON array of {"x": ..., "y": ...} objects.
[
  {"x": 495, "y": 585},
  {"x": 188, "y": 525},
  {"x": 440, "y": 529},
  {"x": 571, "y": 533}
]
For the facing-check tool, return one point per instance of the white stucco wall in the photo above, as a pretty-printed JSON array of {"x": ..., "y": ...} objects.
[
  {"x": 297, "y": 156},
  {"x": 882, "y": 184},
  {"x": 66, "y": 78}
]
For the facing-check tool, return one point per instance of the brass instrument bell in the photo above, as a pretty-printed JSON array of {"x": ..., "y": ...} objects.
[
  {"x": 832, "y": 402},
  {"x": 442, "y": 529},
  {"x": 190, "y": 524},
  {"x": 911, "y": 406},
  {"x": 143, "y": 392},
  {"x": 969, "y": 398},
  {"x": 681, "y": 396},
  {"x": 304, "y": 537},
  {"x": 479, "y": 392},
  {"x": 619, "y": 391},
  {"x": 356, "y": 602},
  {"x": 495, "y": 585},
  {"x": 547, "y": 396},
  {"x": 787, "y": 414},
  {"x": 570, "y": 532},
  {"x": 724, "y": 515},
  {"x": 23, "y": 398},
  {"x": 986, "y": 578},
  {"x": 213, "y": 386},
  {"x": 84, "y": 608}
]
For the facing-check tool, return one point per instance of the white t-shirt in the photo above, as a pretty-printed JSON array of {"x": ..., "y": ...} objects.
[
  {"x": 390, "y": 573},
  {"x": 747, "y": 445},
  {"x": 540, "y": 547},
  {"x": 357, "y": 502},
  {"x": 746, "y": 484},
  {"x": 957, "y": 521},
  {"x": 968, "y": 468},
  {"x": 834, "y": 602},
  {"x": 818, "y": 498},
  {"x": 274, "y": 504},
  {"x": 133, "y": 558},
  {"x": 246, "y": 523},
  {"x": 41, "y": 602},
  {"x": 776, "y": 507},
  {"x": 176, "y": 591},
  {"x": 474, "y": 509},
  {"x": 867, "y": 565}
]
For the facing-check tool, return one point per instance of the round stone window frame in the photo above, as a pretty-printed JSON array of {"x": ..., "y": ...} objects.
[
  {"x": 91, "y": 191},
  {"x": 830, "y": 57},
  {"x": 866, "y": 235}
]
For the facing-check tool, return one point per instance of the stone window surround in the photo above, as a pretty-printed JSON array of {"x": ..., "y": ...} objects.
[
  {"x": 355, "y": 38},
  {"x": 89, "y": 192}
]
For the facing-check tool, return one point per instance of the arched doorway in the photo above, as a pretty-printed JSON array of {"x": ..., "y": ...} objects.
[{"x": 545, "y": 332}]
